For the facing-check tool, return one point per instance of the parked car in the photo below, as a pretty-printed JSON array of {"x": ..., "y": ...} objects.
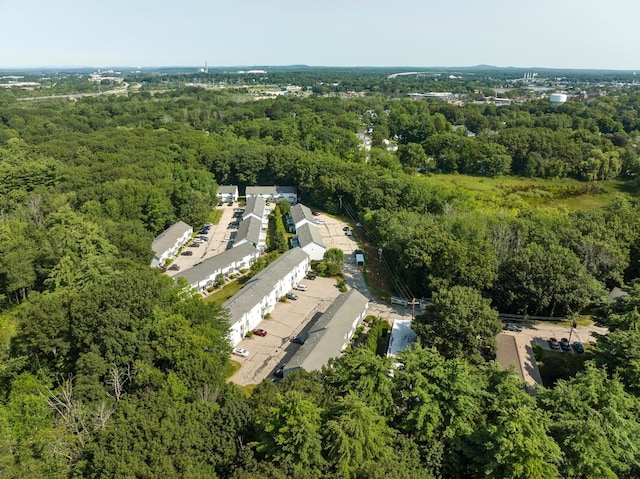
[
  {"x": 260, "y": 332},
  {"x": 320, "y": 222},
  {"x": 174, "y": 267},
  {"x": 204, "y": 238},
  {"x": 312, "y": 275},
  {"x": 194, "y": 245},
  {"x": 186, "y": 253},
  {"x": 278, "y": 373},
  {"x": 315, "y": 213},
  {"x": 565, "y": 345},
  {"x": 348, "y": 233},
  {"x": 554, "y": 344},
  {"x": 299, "y": 340},
  {"x": 578, "y": 348},
  {"x": 291, "y": 296},
  {"x": 241, "y": 352},
  {"x": 345, "y": 228},
  {"x": 301, "y": 287},
  {"x": 512, "y": 327}
]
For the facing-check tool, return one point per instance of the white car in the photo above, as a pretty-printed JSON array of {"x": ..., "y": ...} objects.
[
  {"x": 301, "y": 287},
  {"x": 241, "y": 352},
  {"x": 320, "y": 222}
]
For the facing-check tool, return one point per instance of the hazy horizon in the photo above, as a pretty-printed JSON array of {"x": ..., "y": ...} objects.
[{"x": 565, "y": 35}]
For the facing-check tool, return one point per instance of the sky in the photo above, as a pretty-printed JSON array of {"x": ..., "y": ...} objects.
[{"x": 585, "y": 34}]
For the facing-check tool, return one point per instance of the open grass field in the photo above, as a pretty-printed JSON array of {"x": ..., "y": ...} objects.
[{"x": 515, "y": 193}]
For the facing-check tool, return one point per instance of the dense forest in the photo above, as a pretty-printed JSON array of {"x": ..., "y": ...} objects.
[{"x": 108, "y": 369}]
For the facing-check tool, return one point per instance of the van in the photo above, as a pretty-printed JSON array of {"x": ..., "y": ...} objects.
[{"x": 399, "y": 300}]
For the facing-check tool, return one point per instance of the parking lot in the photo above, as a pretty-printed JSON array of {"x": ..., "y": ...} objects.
[
  {"x": 219, "y": 236},
  {"x": 334, "y": 236},
  {"x": 287, "y": 320}
]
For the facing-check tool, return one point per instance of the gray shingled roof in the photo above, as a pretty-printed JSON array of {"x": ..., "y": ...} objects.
[
  {"x": 206, "y": 268},
  {"x": 300, "y": 212},
  {"x": 263, "y": 284},
  {"x": 328, "y": 334},
  {"x": 227, "y": 189},
  {"x": 616, "y": 293},
  {"x": 249, "y": 229},
  {"x": 167, "y": 239},
  {"x": 308, "y": 234},
  {"x": 271, "y": 190},
  {"x": 255, "y": 205}
]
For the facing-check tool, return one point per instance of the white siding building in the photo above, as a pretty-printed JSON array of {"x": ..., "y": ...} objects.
[
  {"x": 231, "y": 261},
  {"x": 167, "y": 244},
  {"x": 261, "y": 293},
  {"x": 310, "y": 240},
  {"x": 250, "y": 231},
  {"x": 274, "y": 193},
  {"x": 255, "y": 207},
  {"x": 331, "y": 334},
  {"x": 227, "y": 192},
  {"x": 302, "y": 215}
]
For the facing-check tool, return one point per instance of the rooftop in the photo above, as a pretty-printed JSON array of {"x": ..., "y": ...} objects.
[
  {"x": 249, "y": 230},
  {"x": 256, "y": 206},
  {"x": 300, "y": 212},
  {"x": 203, "y": 270},
  {"x": 402, "y": 336},
  {"x": 227, "y": 189},
  {"x": 167, "y": 239},
  {"x": 328, "y": 335},
  {"x": 308, "y": 234},
  {"x": 263, "y": 283},
  {"x": 271, "y": 190}
]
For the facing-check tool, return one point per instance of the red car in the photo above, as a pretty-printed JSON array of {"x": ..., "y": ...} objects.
[
  {"x": 554, "y": 344},
  {"x": 259, "y": 332}
]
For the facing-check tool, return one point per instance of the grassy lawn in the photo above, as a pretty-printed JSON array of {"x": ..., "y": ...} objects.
[
  {"x": 225, "y": 293},
  {"x": 215, "y": 216}
]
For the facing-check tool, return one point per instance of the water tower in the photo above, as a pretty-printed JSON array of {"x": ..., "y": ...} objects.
[{"x": 558, "y": 98}]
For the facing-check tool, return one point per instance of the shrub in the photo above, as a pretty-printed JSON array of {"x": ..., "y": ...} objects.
[
  {"x": 249, "y": 334},
  {"x": 267, "y": 315}
]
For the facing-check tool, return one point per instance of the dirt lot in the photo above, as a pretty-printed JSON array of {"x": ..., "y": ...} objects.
[{"x": 287, "y": 320}]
